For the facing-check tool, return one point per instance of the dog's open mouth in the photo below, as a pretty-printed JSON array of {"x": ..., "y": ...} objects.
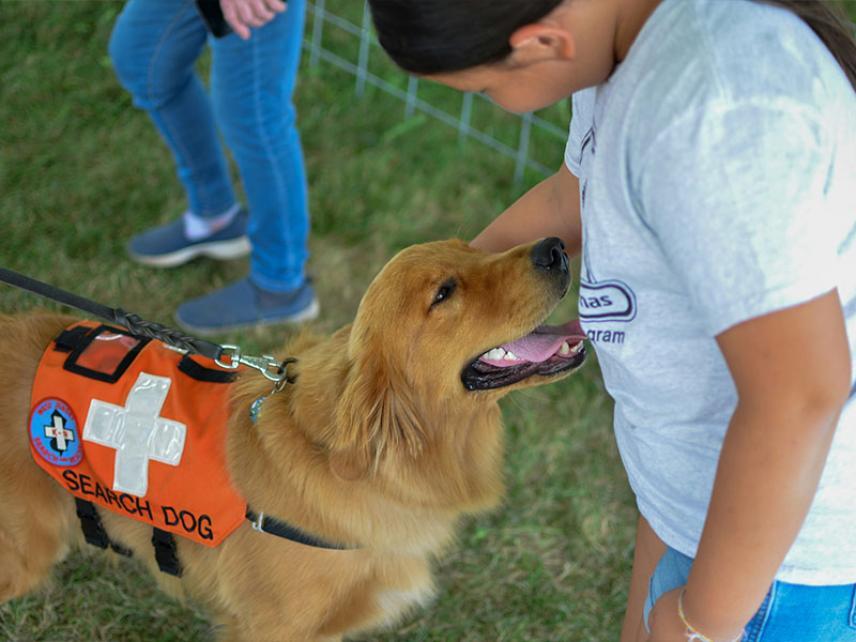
[{"x": 548, "y": 350}]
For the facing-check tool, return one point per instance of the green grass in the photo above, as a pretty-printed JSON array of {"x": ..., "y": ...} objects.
[{"x": 81, "y": 170}]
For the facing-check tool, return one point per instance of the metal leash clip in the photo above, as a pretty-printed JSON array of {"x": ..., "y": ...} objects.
[
  {"x": 279, "y": 384},
  {"x": 231, "y": 358}
]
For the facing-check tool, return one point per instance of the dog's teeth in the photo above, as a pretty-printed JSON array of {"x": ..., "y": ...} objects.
[
  {"x": 510, "y": 356},
  {"x": 577, "y": 347},
  {"x": 496, "y": 354},
  {"x": 565, "y": 349}
]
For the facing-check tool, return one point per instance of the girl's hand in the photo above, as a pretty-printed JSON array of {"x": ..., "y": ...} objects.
[
  {"x": 243, "y": 14},
  {"x": 666, "y": 625}
]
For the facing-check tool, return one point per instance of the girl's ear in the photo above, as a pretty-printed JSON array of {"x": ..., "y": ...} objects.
[
  {"x": 539, "y": 42},
  {"x": 375, "y": 417}
]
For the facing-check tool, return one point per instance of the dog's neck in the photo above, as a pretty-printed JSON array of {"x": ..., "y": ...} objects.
[{"x": 282, "y": 463}]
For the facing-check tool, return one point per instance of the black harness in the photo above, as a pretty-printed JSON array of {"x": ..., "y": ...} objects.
[
  {"x": 163, "y": 542},
  {"x": 164, "y": 545}
]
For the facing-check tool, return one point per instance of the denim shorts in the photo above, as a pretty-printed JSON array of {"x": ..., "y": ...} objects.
[{"x": 789, "y": 612}]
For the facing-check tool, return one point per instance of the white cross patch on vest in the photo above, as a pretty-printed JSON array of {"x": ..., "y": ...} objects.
[{"x": 137, "y": 433}]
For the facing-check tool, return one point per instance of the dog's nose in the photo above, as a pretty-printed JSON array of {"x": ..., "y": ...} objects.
[{"x": 549, "y": 255}]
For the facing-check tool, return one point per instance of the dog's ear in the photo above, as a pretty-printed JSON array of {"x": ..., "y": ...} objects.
[{"x": 375, "y": 417}]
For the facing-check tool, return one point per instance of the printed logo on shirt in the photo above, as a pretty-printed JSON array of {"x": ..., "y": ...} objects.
[{"x": 610, "y": 300}]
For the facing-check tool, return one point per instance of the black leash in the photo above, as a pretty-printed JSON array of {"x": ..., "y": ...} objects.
[
  {"x": 132, "y": 322},
  {"x": 228, "y": 357}
]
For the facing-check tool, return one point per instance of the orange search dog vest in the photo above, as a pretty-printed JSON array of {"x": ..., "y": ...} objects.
[{"x": 128, "y": 424}]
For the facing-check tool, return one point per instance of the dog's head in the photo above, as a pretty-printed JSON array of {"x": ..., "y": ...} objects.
[{"x": 444, "y": 326}]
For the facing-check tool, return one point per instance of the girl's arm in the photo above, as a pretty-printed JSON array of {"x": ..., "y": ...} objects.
[
  {"x": 551, "y": 208},
  {"x": 792, "y": 370}
]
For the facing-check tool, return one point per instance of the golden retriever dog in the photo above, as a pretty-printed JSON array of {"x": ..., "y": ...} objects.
[{"x": 390, "y": 434}]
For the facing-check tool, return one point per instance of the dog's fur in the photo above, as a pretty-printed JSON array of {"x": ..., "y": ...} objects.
[{"x": 377, "y": 445}]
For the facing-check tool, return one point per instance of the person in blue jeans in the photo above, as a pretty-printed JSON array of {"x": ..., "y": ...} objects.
[{"x": 154, "y": 47}]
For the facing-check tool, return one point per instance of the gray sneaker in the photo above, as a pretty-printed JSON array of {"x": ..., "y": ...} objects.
[
  {"x": 167, "y": 245},
  {"x": 243, "y": 305}
]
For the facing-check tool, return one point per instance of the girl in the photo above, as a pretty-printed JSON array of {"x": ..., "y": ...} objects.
[{"x": 710, "y": 185}]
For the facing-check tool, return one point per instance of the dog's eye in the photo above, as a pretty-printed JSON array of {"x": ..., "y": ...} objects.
[{"x": 444, "y": 292}]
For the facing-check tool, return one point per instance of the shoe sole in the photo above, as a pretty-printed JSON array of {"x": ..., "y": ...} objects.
[
  {"x": 219, "y": 250},
  {"x": 307, "y": 314}
]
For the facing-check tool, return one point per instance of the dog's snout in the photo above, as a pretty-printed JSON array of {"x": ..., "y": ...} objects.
[{"x": 549, "y": 255}]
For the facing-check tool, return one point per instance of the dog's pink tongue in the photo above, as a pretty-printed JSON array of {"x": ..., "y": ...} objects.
[{"x": 545, "y": 341}]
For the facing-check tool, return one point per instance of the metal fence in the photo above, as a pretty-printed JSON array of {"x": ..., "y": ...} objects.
[{"x": 324, "y": 16}]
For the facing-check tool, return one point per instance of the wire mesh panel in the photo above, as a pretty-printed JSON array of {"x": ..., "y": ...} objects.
[{"x": 340, "y": 33}]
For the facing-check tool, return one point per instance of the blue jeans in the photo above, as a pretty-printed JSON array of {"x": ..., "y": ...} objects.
[
  {"x": 789, "y": 612},
  {"x": 154, "y": 46}
]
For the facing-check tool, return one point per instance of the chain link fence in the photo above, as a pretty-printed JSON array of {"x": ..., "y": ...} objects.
[{"x": 339, "y": 32}]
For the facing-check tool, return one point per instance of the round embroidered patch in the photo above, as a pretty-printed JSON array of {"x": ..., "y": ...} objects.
[{"x": 54, "y": 432}]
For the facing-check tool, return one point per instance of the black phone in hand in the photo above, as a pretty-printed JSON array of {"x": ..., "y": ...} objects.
[{"x": 212, "y": 15}]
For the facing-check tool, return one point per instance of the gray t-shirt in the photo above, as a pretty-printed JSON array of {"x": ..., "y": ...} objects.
[{"x": 717, "y": 171}]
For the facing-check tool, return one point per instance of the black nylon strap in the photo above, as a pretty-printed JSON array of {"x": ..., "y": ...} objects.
[
  {"x": 93, "y": 529},
  {"x": 282, "y": 529},
  {"x": 132, "y": 322},
  {"x": 90, "y": 524},
  {"x": 70, "y": 339},
  {"x": 165, "y": 552},
  {"x": 199, "y": 372}
]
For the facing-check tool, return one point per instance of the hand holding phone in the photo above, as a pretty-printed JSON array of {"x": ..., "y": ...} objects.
[
  {"x": 241, "y": 15},
  {"x": 213, "y": 18}
]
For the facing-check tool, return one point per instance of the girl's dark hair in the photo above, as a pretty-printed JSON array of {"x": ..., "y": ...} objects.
[{"x": 435, "y": 36}]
